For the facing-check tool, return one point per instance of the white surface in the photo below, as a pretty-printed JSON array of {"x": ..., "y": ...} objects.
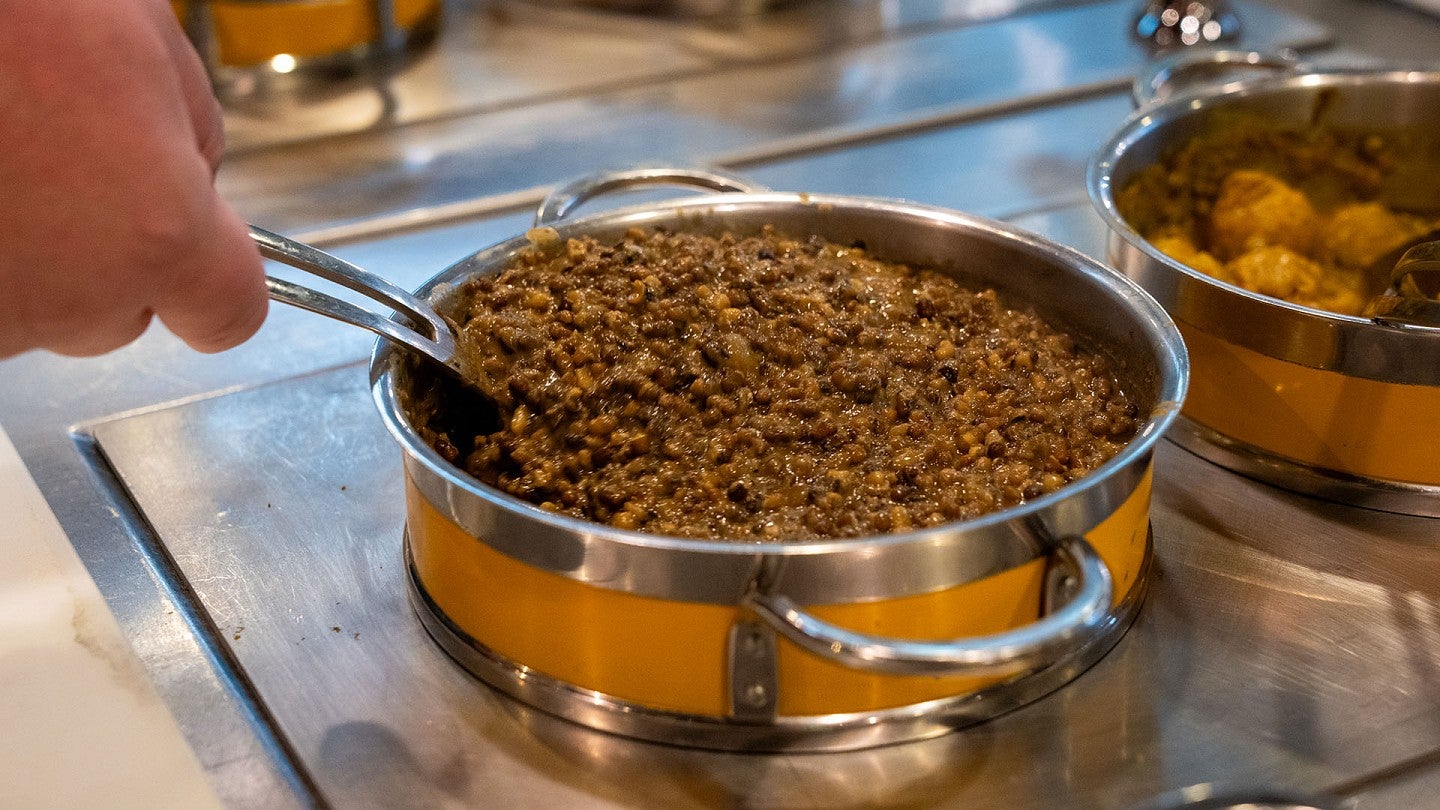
[{"x": 80, "y": 724}]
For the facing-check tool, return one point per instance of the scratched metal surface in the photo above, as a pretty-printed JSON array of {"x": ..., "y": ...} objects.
[
  {"x": 1287, "y": 642},
  {"x": 989, "y": 159}
]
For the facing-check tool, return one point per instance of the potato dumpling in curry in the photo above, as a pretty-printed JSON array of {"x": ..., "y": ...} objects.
[
  {"x": 1282, "y": 273},
  {"x": 1359, "y": 233},
  {"x": 1256, "y": 210},
  {"x": 1179, "y": 247},
  {"x": 1267, "y": 237}
]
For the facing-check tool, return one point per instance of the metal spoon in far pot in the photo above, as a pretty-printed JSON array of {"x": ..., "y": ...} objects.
[
  {"x": 1406, "y": 278},
  {"x": 430, "y": 336}
]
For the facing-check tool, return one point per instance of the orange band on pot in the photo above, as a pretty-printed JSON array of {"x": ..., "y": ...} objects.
[
  {"x": 671, "y": 655},
  {"x": 1321, "y": 418}
]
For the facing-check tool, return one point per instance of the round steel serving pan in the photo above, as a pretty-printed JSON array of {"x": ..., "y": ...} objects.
[
  {"x": 799, "y": 646},
  {"x": 1337, "y": 406}
]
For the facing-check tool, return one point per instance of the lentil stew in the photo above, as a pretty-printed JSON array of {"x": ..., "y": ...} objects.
[{"x": 766, "y": 388}]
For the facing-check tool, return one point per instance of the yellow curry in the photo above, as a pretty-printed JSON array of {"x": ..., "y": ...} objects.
[{"x": 1289, "y": 214}]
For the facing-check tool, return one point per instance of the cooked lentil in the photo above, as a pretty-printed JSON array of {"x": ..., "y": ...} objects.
[{"x": 768, "y": 388}]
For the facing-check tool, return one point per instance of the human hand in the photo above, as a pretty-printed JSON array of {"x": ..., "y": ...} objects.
[{"x": 109, "y": 141}]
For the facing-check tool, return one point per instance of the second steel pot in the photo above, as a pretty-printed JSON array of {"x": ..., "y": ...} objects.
[
  {"x": 1338, "y": 406},
  {"x": 789, "y": 645}
]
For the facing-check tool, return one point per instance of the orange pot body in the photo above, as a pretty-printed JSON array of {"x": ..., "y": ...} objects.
[
  {"x": 671, "y": 655},
  {"x": 1319, "y": 418}
]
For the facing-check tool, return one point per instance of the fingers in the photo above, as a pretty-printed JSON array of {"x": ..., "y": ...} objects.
[
  {"x": 205, "y": 281},
  {"x": 200, "y": 101},
  {"x": 109, "y": 211},
  {"x": 205, "y": 114},
  {"x": 91, "y": 338},
  {"x": 217, "y": 297},
  {"x": 213, "y": 296}
]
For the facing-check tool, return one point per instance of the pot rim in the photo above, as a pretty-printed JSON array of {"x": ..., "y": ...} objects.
[
  {"x": 1171, "y": 362},
  {"x": 1348, "y": 344}
]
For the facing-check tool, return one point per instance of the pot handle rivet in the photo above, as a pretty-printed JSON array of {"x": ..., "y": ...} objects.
[{"x": 752, "y": 672}]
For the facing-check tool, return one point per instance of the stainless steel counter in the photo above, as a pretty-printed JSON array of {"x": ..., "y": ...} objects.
[
  {"x": 815, "y": 76},
  {"x": 1288, "y": 642}
]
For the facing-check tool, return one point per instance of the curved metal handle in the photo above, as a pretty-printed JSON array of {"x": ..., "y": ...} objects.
[
  {"x": 1081, "y": 618},
  {"x": 439, "y": 344},
  {"x": 563, "y": 201},
  {"x": 1166, "y": 76}
]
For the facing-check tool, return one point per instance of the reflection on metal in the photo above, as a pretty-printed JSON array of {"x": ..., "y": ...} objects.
[
  {"x": 1413, "y": 303},
  {"x": 562, "y": 202},
  {"x": 1183, "y": 71},
  {"x": 266, "y": 771},
  {"x": 1333, "y": 485},
  {"x": 1216, "y": 797},
  {"x": 1063, "y": 628},
  {"x": 511, "y": 106},
  {"x": 416, "y": 326},
  {"x": 1166, "y": 24}
]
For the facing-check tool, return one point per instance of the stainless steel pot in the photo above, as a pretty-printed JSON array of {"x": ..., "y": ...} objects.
[
  {"x": 1338, "y": 406},
  {"x": 788, "y": 645}
]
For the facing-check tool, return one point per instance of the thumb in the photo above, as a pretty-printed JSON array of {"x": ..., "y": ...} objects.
[{"x": 216, "y": 298}]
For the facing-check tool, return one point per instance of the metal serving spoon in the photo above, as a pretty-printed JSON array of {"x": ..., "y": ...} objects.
[
  {"x": 1402, "y": 299},
  {"x": 430, "y": 337}
]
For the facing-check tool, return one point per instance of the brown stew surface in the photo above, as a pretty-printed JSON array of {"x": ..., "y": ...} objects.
[{"x": 768, "y": 388}]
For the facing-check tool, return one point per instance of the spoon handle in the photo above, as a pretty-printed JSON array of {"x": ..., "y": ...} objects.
[
  {"x": 435, "y": 341},
  {"x": 1419, "y": 262}
]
